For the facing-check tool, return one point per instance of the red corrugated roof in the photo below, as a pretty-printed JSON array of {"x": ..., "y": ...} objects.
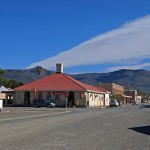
[{"x": 57, "y": 82}]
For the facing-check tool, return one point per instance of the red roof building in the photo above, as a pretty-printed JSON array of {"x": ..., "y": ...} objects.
[{"x": 60, "y": 87}]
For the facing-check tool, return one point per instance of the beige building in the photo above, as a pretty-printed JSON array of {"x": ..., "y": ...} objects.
[
  {"x": 132, "y": 93},
  {"x": 7, "y": 96},
  {"x": 117, "y": 90},
  {"x": 113, "y": 88},
  {"x": 2, "y": 97},
  {"x": 62, "y": 88}
]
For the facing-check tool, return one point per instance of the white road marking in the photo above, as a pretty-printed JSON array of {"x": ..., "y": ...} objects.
[{"x": 9, "y": 119}]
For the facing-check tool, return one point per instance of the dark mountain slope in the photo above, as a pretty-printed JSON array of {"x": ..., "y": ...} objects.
[
  {"x": 130, "y": 79},
  {"x": 26, "y": 75}
]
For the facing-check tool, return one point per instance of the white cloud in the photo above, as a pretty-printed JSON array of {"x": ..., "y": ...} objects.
[
  {"x": 126, "y": 45},
  {"x": 134, "y": 67}
]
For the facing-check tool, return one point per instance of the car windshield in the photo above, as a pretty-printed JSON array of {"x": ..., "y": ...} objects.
[
  {"x": 112, "y": 100},
  {"x": 50, "y": 100}
]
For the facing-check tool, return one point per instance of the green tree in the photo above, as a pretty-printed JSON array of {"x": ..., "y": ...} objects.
[
  {"x": 13, "y": 84},
  {"x": 4, "y": 81},
  {"x": 2, "y": 72},
  {"x": 39, "y": 70},
  {"x": 8, "y": 83},
  {"x": 20, "y": 83}
]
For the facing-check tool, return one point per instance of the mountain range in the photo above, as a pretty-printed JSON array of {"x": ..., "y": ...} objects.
[{"x": 130, "y": 79}]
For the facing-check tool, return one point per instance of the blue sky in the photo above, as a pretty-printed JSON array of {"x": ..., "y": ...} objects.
[{"x": 85, "y": 35}]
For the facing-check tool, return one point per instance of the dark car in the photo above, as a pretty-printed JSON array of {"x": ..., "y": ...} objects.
[{"x": 43, "y": 103}]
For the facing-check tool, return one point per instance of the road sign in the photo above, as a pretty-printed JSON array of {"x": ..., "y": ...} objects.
[{"x": 61, "y": 93}]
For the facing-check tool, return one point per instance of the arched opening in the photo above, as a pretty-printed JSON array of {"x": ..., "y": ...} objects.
[
  {"x": 27, "y": 98},
  {"x": 9, "y": 99},
  {"x": 71, "y": 98}
]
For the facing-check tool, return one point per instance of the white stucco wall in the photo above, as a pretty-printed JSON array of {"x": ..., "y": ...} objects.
[
  {"x": 1, "y": 104},
  {"x": 107, "y": 99},
  {"x": 18, "y": 98},
  {"x": 95, "y": 99},
  {"x": 139, "y": 99}
]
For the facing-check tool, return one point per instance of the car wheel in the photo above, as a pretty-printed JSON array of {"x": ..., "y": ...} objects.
[
  {"x": 35, "y": 106},
  {"x": 48, "y": 106}
]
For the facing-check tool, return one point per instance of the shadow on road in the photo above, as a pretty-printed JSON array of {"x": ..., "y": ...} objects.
[
  {"x": 145, "y": 106},
  {"x": 143, "y": 129}
]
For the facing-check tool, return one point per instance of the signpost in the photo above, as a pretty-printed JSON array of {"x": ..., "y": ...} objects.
[
  {"x": 34, "y": 90},
  {"x": 66, "y": 101}
]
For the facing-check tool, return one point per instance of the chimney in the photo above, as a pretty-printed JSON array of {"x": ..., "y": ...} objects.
[{"x": 59, "y": 68}]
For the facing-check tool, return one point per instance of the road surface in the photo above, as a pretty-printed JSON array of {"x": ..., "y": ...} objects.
[{"x": 121, "y": 128}]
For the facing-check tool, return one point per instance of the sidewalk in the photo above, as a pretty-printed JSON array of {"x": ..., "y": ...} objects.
[{"x": 23, "y": 109}]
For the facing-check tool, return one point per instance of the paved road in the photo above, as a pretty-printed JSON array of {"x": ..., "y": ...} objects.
[{"x": 122, "y": 128}]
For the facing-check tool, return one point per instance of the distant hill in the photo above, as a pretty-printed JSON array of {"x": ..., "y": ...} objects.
[
  {"x": 26, "y": 75},
  {"x": 130, "y": 79}
]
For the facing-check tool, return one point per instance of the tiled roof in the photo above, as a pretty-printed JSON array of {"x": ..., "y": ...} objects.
[{"x": 57, "y": 82}]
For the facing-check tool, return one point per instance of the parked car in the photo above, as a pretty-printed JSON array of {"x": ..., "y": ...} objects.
[
  {"x": 113, "y": 102},
  {"x": 135, "y": 103},
  {"x": 44, "y": 103}
]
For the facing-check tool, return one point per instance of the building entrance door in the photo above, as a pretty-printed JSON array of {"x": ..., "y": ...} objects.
[
  {"x": 71, "y": 98},
  {"x": 27, "y": 98}
]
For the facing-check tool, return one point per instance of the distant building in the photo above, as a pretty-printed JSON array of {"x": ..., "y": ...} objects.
[
  {"x": 113, "y": 88},
  {"x": 139, "y": 99},
  {"x": 6, "y": 95},
  {"x": 132, "y": 93},
  {"x": 61, "y": 87},
  {"x": 117, "y": 90}
]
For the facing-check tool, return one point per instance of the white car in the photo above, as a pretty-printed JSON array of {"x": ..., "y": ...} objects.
[
  {"x": 135, "y": 102},
  {"x": 113, "y": 102}
]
